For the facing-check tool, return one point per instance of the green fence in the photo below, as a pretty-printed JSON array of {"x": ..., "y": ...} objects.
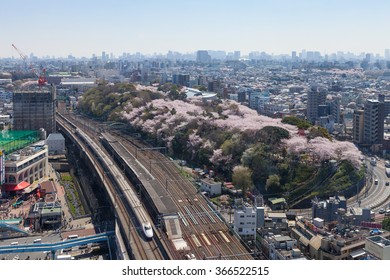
[{"x": 12, "y": 140}]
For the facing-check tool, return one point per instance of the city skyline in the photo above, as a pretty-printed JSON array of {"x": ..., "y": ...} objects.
[{"x": 84, "y": 28}]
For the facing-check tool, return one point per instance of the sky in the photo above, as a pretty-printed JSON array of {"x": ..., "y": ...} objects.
[{"x": 86, "y": 27}]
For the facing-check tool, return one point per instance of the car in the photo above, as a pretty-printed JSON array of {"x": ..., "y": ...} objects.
[
  {"x": 376, "y": 181},
  {"x": 387, "y": 184},
  {"x": 382, "y": 211}
]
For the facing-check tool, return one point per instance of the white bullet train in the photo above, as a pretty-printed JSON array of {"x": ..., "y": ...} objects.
[{"x": 131, "y": 197}]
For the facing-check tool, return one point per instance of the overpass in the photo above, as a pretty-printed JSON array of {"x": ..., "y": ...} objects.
[
  {"x": 55, "y": 246},
  {"x": 114, "y": 185}
]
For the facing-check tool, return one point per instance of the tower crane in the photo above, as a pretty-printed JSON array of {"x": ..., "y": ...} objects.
[{"x": 41, "y": 77}]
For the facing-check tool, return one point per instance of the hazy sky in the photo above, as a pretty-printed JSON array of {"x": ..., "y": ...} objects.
[{"x": 84, "y": 27}]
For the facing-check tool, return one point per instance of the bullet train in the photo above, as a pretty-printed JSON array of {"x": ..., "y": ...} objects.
[{"x": 131, "y": 197}]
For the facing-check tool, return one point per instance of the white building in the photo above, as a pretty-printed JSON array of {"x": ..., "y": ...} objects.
[
  {"x": 245, "y": 221},
  {"x": 283, "y": 247},
  {"x": 211, "y": 187},
  {"x": 5, "y": 119},
  {"x": 378, "y": 246},
  {"x": 56, "y": 144},
  {"x": 25, "y": 167}
]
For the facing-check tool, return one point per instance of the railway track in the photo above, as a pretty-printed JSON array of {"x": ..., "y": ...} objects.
[
  {"x": 207, "y": 235},
  {"x": 202, "y": 228},
  {"x": 143, "y": 249}
]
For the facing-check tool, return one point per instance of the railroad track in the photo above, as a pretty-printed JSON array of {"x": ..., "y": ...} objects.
[
  {"x": 202, "y": 228},
  {"x": 145, "y": 250},
  {"x": 205, "y": 227}
]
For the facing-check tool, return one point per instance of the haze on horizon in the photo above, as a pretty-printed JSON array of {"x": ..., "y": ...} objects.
[{"x": 83, "y": 28}]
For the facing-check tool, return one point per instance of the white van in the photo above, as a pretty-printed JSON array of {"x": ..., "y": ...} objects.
[
  {"x": 15, "y": 243},
  {"x": 37, "y": 240}
]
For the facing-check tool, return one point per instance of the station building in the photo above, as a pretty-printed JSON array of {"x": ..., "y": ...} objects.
[{"x": 23, "y": 161}]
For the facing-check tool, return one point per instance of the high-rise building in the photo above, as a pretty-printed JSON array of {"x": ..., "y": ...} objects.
[
  {"x": 387, "y": 54},
  {"x": 181, "y": 79},
  {"x": 104, "y": 56},
  {"x": 316, "y": 96},
  {"x": 373, "y": 122},
  {"x": 294, "y": 55},
  {"x": 203, "y": 57},
  {"x": 237, "y": 55},
  {"x": 358, "y": 126},
  {"x": 35, "y": 109},
  {"x": 334, "y": 108}
]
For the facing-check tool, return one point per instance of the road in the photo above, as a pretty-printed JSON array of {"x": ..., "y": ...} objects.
[{"x": 374, "y": 196}]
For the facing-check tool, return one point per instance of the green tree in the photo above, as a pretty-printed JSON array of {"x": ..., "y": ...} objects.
[
  {"x": 242, "y": 178},
  {"x": 386, "y": 224},
  {"x": 272, "y": 135},
  {"x": 319, "y": 132},
  {"x": 300, "y": 123},
  {"x": 257, "y": 159},
  {"x": 273, "y": 183}
]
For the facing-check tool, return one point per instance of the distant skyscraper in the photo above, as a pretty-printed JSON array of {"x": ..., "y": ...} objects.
[
  {"x": 34, "y": 110},
  {"x": 303, "y": 54},
  {"x": 294, "y": 55},
  {"x": 237, "y": 55},
  {"x": 203, "y": 57},
  {"x": 387, "y": 54}
]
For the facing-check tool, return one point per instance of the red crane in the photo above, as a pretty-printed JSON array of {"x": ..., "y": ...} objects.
[{"x": 41, "y": 78}]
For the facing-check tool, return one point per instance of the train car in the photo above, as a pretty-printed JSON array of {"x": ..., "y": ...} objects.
[
  {"x": 147, "y": 230},
  {"x": 130, "y": 196}
]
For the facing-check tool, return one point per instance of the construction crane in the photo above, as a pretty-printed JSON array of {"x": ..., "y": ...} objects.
[{"x": 41, "y": 78}]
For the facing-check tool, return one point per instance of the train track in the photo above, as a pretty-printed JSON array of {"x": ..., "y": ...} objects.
[
  {"x": 206, "y": 234},
  {"x": 202, "y": 228},
  {"x": 144, "y": 250}
]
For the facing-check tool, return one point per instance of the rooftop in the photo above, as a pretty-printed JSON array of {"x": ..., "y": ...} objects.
[
  {"x": 12, "y": 140},
  {"x": 55, "y": 136},
  {"x": 276, "y": 215},
  {"x": 277, "y": 200},
  {"x": 380, "y": 240}
]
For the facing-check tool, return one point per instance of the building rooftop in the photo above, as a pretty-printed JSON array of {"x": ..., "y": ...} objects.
[
  {"x": 12, "y": 140},
  {"x": 282, "y": 238},
  {"x": 277, "y": 200},
  {"x": 276, "y": 215},
  {"x": 210, "y": 181},
  {"x": 380, "y": 240},
  {"x": 55, "y": 136}
]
